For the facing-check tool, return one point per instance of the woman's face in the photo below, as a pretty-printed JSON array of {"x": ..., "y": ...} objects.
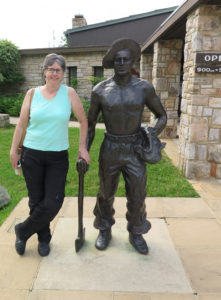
[{"x": 54, "y": 73}]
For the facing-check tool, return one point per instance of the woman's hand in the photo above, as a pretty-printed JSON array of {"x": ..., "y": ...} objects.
[
  {"x": 83, "y": 153},
  {"x": 14, "y": 157}
]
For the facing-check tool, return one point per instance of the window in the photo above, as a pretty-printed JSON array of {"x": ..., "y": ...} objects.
[
  {"x": 72, "y": 73},
  {"x": 98, "y": 72}
]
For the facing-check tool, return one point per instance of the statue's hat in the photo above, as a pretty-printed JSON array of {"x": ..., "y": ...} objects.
[{"x": 120, "y": 44}]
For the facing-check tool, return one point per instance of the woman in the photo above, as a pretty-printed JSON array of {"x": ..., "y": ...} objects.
[{"x": 44, "y": 156}]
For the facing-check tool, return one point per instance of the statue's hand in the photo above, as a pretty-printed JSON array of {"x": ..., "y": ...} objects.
[
  {"x": 152, "y": 131},
  {"x": 82, "y": 166}
]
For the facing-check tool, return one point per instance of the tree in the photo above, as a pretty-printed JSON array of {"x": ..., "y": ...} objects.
[
  {"x": 64, "y": 42},
  {"x": 9, "y": 60}
]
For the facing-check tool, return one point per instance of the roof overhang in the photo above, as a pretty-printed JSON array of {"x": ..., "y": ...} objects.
[
  {"x": 62, "y": 50},
  {"x": 174, "y": 26}
]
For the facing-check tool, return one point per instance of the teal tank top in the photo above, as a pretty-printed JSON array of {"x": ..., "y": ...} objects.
[{"x": 48, "y": 125}]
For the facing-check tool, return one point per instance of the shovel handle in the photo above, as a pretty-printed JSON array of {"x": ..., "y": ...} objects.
[{"x": 80, "y": 204}]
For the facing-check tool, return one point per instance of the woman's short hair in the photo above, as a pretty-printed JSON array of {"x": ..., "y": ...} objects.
[{"x": 50, "y": 59}]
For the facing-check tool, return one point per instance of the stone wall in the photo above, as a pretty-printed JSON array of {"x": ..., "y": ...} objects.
[
  {"x": 31, "y": 66},
  {"x": 146, "y": 68},
  {"x": 85, "y": 63},
  {"x": 166, "y": 80},
  {"x": 200, "y": 125}
]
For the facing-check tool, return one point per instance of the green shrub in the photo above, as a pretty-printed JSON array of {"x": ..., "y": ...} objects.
[
  {"x": 86, "y": 106},
  {"x": 95, "y": 80},
  {"x": 11, "y": 104},
  {"x": 9, "y": 61},
  {"x": 74, "y": 82}
]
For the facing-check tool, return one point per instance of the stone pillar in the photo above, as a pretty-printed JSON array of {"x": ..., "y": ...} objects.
[
  {"x": 146, "y": 67},
  {"x": 200, "y": 125},
  {"x": 166, "y": 80}
]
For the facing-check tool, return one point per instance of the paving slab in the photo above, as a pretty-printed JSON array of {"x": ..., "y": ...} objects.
[
  {"x": 203, "y": 266},
  {"x": 140, "y": 296},
  {"x": 195, "y": 233},
  {"x": 18, "y": 272},
  {"x": 209, "y": 296},
  {"x": 119, "y": 268},
  {"x": 69, "y": 295},
  {"x": 157, "y": 207},
  {"x": 13, "y": 294}
]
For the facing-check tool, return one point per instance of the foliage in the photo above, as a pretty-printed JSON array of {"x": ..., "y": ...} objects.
[
  {"x": 9, "y": 60},
  {"x": 64, "y": 42},
  {"x": 164, "y": 172},
  {"x": 74, "y": 82},
  {"x": 95, "y": 80},
  {"x": 11, "y": 104},
  {"x": 86, "y": 106}
]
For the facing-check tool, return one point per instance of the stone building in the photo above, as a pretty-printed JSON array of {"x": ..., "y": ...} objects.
[
  {"x": 181, "y": 56},
  {"x": 87, "y": 46}
]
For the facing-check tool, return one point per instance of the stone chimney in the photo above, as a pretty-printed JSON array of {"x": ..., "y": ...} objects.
[{"x": 78, "y": 21}]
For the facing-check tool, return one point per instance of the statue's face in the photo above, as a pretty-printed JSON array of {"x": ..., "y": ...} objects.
[{"x": 123, "y": 62}]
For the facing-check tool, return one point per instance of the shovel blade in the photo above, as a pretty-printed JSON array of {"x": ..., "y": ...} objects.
[{"x": 79, "y": 242}]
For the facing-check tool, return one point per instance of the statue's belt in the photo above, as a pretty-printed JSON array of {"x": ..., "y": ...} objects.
[{"x": 130, "y": 138}]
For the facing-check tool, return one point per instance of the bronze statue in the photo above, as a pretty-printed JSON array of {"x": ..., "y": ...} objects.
[{"x": 122, "y": 99}]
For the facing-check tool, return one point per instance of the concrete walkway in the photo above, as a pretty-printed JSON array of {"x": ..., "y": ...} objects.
[{"x": 184, "y": 260}]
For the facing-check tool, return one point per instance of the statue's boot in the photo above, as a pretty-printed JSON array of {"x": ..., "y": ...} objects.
[
  {"x": 103, "y": 239},
  {"x": 138, "y": 242}
]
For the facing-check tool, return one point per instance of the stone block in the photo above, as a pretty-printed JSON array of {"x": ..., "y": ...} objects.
[
  {"x": 216, "y": 117},
  {"x": 160, "y": 84},
  {"x": 184, "y": 105},
  {"x": 218, "y": 171},
  {"x": 190, "y": 151},
  {"x": 214, "y": 153},
  {"x": 207, "y": 112},
  {"x": 170, "y": 132},
  {"x": 200, "y": 100},
  {"x": 172, "y": 114},
  {"x": 186, "y": 132},
  {"x": 4, "y": 196},
  {"x": 209, "y": 22},
  {"x": 202, "y": 152},
  {"x": 198, "y": 130},
  {"x": 197, "y": 41},
  {"x": 174, "y": 89},
  {"x": 173, "y": 68},
  {"x": 203, "y": 81},
  {"x": 215, "y": 102},
  {"x": 197, "y": 169},
  {"x": 4, "y": 120},
  {"x": 214, "y": 134},
  {"x": 211, "y": 42},
  {"x": 217, "y": 83},
  {"x": 209, "y": 92},
  {"x": 184, "y": 120},
  {"x": 164, "y": 95},
  {"x": 213, "y": 169}
]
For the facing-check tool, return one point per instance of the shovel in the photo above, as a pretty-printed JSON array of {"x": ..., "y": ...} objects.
[{"x": 82, "y": 168}]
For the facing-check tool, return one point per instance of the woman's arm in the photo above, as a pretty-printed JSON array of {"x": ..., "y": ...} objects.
[
  {"x": 22, "y": 123},
  {"x": 78, "y": 110}
]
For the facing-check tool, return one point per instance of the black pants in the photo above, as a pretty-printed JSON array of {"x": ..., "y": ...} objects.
[
  {"x": 117, "y": 156},
  {"x": 45, "y": 175}
]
